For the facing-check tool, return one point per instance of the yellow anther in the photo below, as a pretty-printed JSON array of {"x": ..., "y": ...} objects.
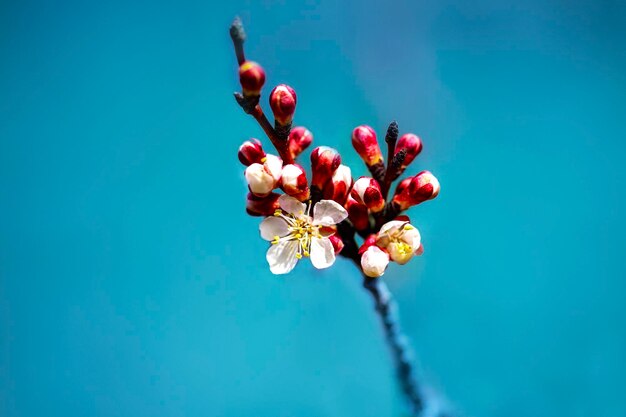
[
  {"x": 298, "y": 236},
  {"x": 278, "y": 213},
  {"x": 263, "y": 160},
  {"x": 275, "y": 240},
  {"x": 298, "y": 256},
  {"x": 305, "y": 253},
  {"x": 408, "y": 227}
]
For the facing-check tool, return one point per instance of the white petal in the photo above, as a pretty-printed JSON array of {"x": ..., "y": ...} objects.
[
  {"x": 291, "y": 205},
  {"x": 374, "y": 262},
  {"x": 273, "y": 226},
  {"x": 328, "y": 212},
  {"x": 259, "y": 180},
  {"x": 390, "y": 227},
  {"x": 274, "y": 166},
  {"x": 322, "y": 253},
  {"x": 411, "y": 236},
  {"x": 282, "y": 256}
]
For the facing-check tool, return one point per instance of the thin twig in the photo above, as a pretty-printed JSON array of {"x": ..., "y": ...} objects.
[{"x": 391, "y": 138}]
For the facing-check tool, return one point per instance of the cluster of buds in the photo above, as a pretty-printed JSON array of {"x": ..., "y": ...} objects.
[{"x": 322, "y": 218}]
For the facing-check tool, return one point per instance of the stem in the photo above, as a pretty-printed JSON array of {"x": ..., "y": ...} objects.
[
  {"x": 280, "y": 144},
  {"x": 250, "y": 104},
  {"x": 391, "y": 138},
  {"x": 238, "y": 35},
  {"x": 387, "y": 310}
]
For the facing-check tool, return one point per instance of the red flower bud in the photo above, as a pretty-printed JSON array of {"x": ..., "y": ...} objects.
[
  {"x": 402, "y": 185},
  {"x": 251, "y": 152},
  {"x": 369, "y": 241},
  {"x": 252, "y": 78},
  {"x": 367, "y": 191},
  {"x": 324, "y": 162},
  {"x": 283, "y": 103},
  {"x": 337, "y": 243},
  {"x": 424, "y": 186},
  {"x": 357, "y": 213},
  {"x": 262, "y": 206},
  {"x": 412, "y": 145},
  {"x": 294, "y": 183},
  {"x": 366, "y": 145},
  {"x": 339, "y": 185},
  {"x": 299, "y": 139},
  {"x": 263, "y": 178}
]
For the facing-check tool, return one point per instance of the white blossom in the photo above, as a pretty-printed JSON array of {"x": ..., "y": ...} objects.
[{"x": 295, "y": 233}]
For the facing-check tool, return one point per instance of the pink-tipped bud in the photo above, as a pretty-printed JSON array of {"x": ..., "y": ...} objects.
[
  {"x": 357, "y": 213},
  {"x": 412, "y": 146},
  {"x": 283, "y": 103},
  {"x": 263, "y": 178},
  {"x": 339, "y": 185},
  {"x": 403, "y": 185},
  {"x": 251, "y": 152},
  {"x": 324, "y": 162},
  {"x": 299, "y": 139},
  {"x": 374, "y": 261},
  {"x": 252, "y": 78},
  {"x": 337, "y": 243},
  {"x": 294, "y": 183},
  {"x": 367, "y": 191},
  {"x": 366, "y": 145},
  {"x": 369, "y": 241},
  {"x": 424, "y": 186},
  {"x": 262, "y": 206}
]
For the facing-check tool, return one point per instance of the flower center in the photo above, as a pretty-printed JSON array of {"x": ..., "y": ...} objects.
[
  {"x": 300, "y": 229},
  {"x": 396, "y": 238}
]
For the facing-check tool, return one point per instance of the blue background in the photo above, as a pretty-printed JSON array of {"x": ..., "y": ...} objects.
[{"x": 133, "y": 284}]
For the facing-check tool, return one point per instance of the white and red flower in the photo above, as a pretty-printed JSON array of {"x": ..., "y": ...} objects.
[
  {"x": 296, "y": 233},
  {"x": 400, "y": 239}
]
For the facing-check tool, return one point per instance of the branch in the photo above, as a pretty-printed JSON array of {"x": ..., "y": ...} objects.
[{"x": 387, "y": 309}]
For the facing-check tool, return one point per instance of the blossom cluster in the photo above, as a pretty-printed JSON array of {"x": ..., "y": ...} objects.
[{"x": 317, "y": 216}]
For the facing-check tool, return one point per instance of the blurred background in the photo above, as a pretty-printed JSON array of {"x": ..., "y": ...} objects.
[{"x": 133, "y": 283}]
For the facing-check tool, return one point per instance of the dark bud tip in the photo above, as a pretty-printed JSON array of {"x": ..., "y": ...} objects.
[
  {"x": 237, "y": 33},
  {"x": 392, "y": 133},
  {"x": 398, "y": 159}
]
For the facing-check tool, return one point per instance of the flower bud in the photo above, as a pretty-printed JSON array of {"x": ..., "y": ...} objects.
[
  {"x": 262, "y": 206},
  {"x": 412, "y": 145},
  {"x": 339, "y": 185},
  {"x": 424, "y": 186},
  {"x": 294, "y": 183},
  {"x": 252, "y": 78},
  {"x": 369, "y": 241},
  {"x": 337, "y": 243},
  {"x": 367, "y": 191},
  {"x": 299, "y": 139},
  {"x": 324, "y": 162},
  {"x": 357, "y": 213},
  {"x": 263, "y": 178},
  {"x": 283, "y": 103},
  {"x": 251, "y": 152},
  {"x": 403, "y": 185},
  {"x": 374, "y": 261},
  {"x": 366, "y": 145}
]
